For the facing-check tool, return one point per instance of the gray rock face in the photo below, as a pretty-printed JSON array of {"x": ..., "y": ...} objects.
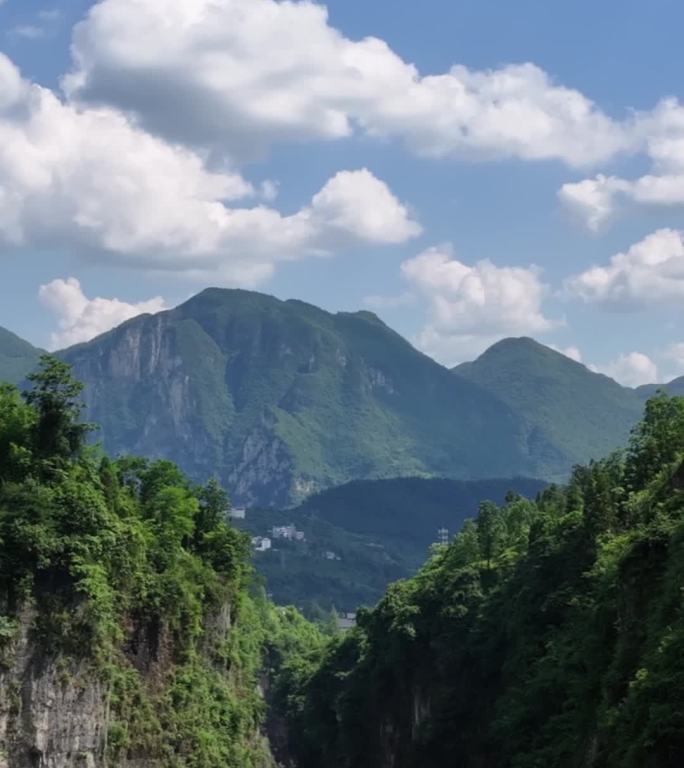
[
  {"x": 55, "y": 710},
  {"x": 53, "y": 714}
]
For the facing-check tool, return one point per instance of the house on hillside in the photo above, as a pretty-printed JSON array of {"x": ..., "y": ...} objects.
[{"x": 261, "y": 543}]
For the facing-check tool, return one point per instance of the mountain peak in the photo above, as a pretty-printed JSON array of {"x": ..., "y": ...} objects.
[
  {"x": 573, "y": 414},
  {"x": 17, "y": 357}
]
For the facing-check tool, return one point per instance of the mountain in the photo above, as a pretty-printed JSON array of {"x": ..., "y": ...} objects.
[
  {"x": 377, "y": 530},
  {"x": 572, "y": 415},
  {"x": 675, "y": 387},
  {"x": 410, "y": 509},
  {"x": 17, "y": 357},
  {"x": 281, "y": 399}
]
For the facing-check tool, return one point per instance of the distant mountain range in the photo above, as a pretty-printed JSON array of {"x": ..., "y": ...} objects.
[
  {"x": 281, "y": 399},
  {"x": 17, "y": 357}
]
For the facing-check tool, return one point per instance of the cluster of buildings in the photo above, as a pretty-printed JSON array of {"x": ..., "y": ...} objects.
[
  {"x": 285, "y": 532},
  {"x": 288, "y": 532}
]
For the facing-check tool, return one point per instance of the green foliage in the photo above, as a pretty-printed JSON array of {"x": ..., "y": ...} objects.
[
  {"x": 547, "y": 633},
  {"x": 572, "y": 415},
  {"x": 55, "y": 396},
  {"x": 133, "y": 570}
]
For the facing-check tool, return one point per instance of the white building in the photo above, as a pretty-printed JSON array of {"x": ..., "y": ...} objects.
[
  {"x": 237, "y": 513},
  {"x": 261, "y": 543},
  {"x": 346, "y": 621},
  {"x": 288, "y": 532}
]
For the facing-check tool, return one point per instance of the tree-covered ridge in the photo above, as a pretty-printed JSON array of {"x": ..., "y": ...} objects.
[
  {"x": 548, "y": 633},
  {"x": 282, "y": 399},
  {"x": 17, "y": 357},
  {"x": 572, "y": 414},
  {"x": 129, "y": 568}
]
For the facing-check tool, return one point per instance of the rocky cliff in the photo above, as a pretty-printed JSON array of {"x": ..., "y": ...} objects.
[
  {"x": 280, "y": 399},
  {"x": 61, "y": 709}
]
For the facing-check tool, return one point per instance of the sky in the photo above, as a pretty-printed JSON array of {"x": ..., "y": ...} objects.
[{"x": 467, "y": 169}]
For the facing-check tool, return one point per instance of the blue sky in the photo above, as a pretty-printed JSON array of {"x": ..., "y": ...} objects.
[{"x": 499, "y": 213}]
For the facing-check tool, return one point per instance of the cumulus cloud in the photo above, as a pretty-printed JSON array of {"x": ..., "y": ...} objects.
[
  {"x": 471, "y": 307},
  {"x": 80, "y": 318},
  {"x": 92, "y": 181},
  {"x": 660, "y": 134},
  {"x": 630, "y": 370},
  {"x": 649, "y": 273},
  {"x": 572, "y": 352},
  {"x": 238, "y": 75}
]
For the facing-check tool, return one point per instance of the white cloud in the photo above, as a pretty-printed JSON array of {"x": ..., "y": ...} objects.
[
  {"x": 471, "y": 307},
  {"x": 91, "y": 181},
  {"x": 660, "y": 134},
  {"x": 45, "y": 25},
  {"x": 572, "y": 352},
  {"x": 80, "y": 318},
  {"x": 29, "y": 31},
  {"x": 269, "y": 190},
  {"x": 649, "y": 273},
  {"x": 240, "y": 74},
  {"x": 630, "y": 370}
]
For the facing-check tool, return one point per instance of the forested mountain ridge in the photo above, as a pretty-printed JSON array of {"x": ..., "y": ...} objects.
[
  {"x": 572, "y": 414},
  {"x": 548, "y": 633},
  {"x": 372, "y": 531},
  {"x": 280, "y": 399},
  {"x": 17, "y": 357}
]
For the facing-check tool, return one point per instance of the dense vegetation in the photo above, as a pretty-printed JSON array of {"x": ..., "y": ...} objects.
[
  {"x": 572, "y": 414},
  {"x": 548, "y": 633},
  {"x": 129, "y": 568},
  {"x": 381, "y": 531}
]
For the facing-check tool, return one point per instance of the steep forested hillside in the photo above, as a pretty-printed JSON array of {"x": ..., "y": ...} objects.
[
  {"x": 410, "y": 509},
  {"x": 361, "y": 536},
  {"x": 545, "y": 634},
  {"x": 128, "y": 636},
  {"x": 17, "y": 357},
  {"x": 572, "y": 414},
  {"x": 282, "y": 399}
]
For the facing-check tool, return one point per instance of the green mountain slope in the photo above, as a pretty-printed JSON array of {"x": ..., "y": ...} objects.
[
  {"x": 378, "y": 530},
  {"x": 572, "y": 415},
  {"x": 17, "y": 357},
  {"x": 546, "y": 634},
  {"x": 410, "y": 509},
  {"x": 281, "y": 399},
  {"x": 674, "y": 387}
]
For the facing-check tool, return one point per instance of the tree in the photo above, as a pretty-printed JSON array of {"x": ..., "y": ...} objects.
[
  {"x": 656, "y": 441},
  {"x": 16, "y": 423},
  {"x": 59, "y": 432},
  {"x": 213, "y": 508},
  {"x": 489, "y": 530}
]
